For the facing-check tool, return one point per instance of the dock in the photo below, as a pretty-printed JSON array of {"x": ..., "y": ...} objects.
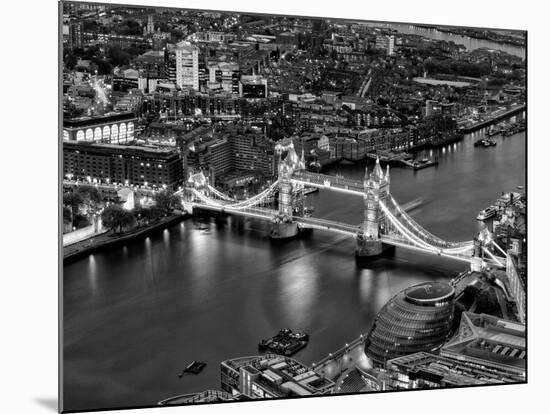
[
  {"x": 492, "y": 119},
  {"x": 401, "y": 159}
]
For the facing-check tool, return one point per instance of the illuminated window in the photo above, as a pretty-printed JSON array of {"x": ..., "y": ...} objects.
[
  {"x": 122, "y": 133},
  {"x": 65, "y": 135},
  {"x": 97, "y": 134},
  {"x": 114, "y": 134},
  {"x": 130, "y": 131},
  {"x": 89, "y": 134},
  {"x": 106, "y": 133}
]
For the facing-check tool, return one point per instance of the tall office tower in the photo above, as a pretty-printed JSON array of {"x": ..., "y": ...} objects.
[
  {"x": 187, "y": 65},
  {"x": 391, "y": 45},
  {"x": 75, "y": 35},
  {"x": 387, "y": 43},
  {"x": 150, "y": 24}
]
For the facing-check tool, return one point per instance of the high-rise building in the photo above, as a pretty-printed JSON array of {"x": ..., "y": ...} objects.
[
  {"x": 386, "y": 42},
  {"x": 75, "y": 35},
  {"x": 187, "y": 66},
  {"x": 150, "y": 24}
]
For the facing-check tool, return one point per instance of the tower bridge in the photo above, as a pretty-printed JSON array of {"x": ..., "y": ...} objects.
[{"x": 385, "y": 223}]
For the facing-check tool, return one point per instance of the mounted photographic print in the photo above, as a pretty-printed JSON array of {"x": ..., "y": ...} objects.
[{"x": 267, "y": 206}]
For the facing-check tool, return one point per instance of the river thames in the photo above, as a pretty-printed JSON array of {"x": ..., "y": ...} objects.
[
  {"x": 470, "y": 43},
  {"x": 136, "y": 315}
]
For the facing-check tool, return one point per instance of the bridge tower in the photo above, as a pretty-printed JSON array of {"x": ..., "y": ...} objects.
[
  {"x": 285, "y": 190},
  {"x": 377, "y": 188},
  {"x": 283, "y": 225}
]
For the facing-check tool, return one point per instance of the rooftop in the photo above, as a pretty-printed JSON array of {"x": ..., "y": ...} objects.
[
  {"x": 126, "y": 150},
  {"x": 280, "y": 373},
  {"x": 495, "y": 340},
  {"x": 429, "y": 292},
  {"x": 97, "y": 119}
]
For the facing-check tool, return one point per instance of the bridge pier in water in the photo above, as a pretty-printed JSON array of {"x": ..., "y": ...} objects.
[{"x": 284, "y": 230}]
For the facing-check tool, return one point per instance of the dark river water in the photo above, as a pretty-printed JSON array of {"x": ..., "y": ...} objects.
[{"x": 136, "y": 315}]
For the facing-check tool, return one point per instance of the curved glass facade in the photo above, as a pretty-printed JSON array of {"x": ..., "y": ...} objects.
[{"x": 416, "y": 319}]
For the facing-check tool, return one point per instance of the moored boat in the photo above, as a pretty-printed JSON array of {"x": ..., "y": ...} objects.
[
  {"x": 284, "y": 343},
  {"x": 487, "y": 213}
]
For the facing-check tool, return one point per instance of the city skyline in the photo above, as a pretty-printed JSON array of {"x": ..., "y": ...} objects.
[{"x": 273, "y": 168}]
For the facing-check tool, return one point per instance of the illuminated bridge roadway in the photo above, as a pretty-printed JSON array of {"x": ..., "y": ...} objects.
[{"x": 392, "y": 225}]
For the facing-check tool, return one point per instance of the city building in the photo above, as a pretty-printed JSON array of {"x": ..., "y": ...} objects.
[
  {"x": 253, "y": 87},
  {"x": 434, "y": 107},
  {"x": 187, "y": 66},
  {"x": 251, "y": 154},
  {"x": 224, "y": 76},
  {"x": 110, "y": 128},
  {"x": 150, "y": 29},
  {"x": 154, "y": 64},
  {"x": 130, "y": 102},
  {"x": 208, "y": 396},
  {"x": 517, "y": 284},
  {"x": 114, "y": 39},
  {"x": 271, "y": 376},
  {"x": 213, "y": 36},
  {"x": 490, "y": 343},
  {"x": 122, "y": 165},
  {"x": 206, "y": 105},
  {"x": 361, "y": 380},
  {"x": 386, "y": 42},
  {"x": 417, "y": 319},
  {"x": 425, "y": 370},
  {"x": 75, "y": 35}
]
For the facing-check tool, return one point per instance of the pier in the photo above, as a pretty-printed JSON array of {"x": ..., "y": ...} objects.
[{"x": 492, "y": 120}]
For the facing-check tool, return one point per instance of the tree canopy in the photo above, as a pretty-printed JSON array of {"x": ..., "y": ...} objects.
[
  {"x": 114, "y": 217},
  {"x": 167, "y": 201}
]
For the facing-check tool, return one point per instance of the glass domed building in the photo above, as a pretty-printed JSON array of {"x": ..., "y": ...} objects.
[{"x": 417, "y": 319}]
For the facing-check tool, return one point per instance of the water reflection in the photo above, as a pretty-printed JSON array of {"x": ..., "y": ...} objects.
[
  {"x": 298, "y": 285},
  {"x": 166, "y": 238},
  {"x": 92, "y": 274}
]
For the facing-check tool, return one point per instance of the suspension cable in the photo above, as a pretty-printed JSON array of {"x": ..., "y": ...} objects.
[
  {"x": 415, "y": 239},
  {"x": 417, "y": 227}
]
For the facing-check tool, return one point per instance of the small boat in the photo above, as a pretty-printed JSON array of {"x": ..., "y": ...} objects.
[
  {"x": 194, "y": 367},
  {"x": 300, "y": 336},
  {"x": 487, "y": 213},
  {"x": 492, "y": 131},
  {"x": 485, "y": 142}
]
